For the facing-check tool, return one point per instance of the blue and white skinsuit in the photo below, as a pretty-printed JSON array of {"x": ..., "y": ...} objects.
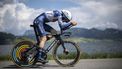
[{"x": 50, "y": 16}]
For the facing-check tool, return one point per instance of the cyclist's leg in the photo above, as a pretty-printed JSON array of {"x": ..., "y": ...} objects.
[
  {"x": 50, "y": 29},
  {"x": 42, "y": 33}
]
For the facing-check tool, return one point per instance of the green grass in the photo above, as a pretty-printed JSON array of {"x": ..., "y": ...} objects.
[
  {"x": 100, "y": 55},
  {"x": 50, "y": 57},
  {"x": 84, "y": 40},
  {"x": 69, "y": 56},
  {"x": 3, "y": 58}
]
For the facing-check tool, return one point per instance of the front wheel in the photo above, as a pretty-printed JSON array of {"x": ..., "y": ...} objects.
[{"x": 68, "y": 57}]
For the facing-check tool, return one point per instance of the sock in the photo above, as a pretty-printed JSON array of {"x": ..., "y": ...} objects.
[{"x": 41, "y": 52}]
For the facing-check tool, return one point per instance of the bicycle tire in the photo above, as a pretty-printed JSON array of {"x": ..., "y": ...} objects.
[{"x": 69, "y": 64}]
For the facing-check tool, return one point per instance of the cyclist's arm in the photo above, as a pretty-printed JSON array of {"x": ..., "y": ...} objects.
[
  {"x": 66, "y": 26},
  {"x": 59, "y": 17},
  {"x": 69, "y": 25}
]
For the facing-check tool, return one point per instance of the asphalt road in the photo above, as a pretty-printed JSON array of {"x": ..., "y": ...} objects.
[{"x": 82, "y": 64}]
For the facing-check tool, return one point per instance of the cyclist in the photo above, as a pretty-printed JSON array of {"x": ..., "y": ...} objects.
[{"x": 51, "y": 16}]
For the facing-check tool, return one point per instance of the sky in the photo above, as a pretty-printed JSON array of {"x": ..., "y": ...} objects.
[{"x": 17, "y": 15}]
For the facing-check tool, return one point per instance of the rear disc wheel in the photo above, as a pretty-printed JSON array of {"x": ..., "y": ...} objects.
[{"x": 18, "y": 55}]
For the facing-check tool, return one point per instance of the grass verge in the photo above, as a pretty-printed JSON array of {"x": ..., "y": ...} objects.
[{"x": 100, "y": 55}]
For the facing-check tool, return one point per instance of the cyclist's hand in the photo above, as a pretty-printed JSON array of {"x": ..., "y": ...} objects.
[{"x": 73, "y": 23}]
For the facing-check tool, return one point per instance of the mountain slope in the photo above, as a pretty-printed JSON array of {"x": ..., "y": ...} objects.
[{"x": 89, "y": 33}]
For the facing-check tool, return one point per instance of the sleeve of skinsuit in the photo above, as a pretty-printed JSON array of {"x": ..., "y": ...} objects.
[
  {"x": 59, "y": 16},
  {"x": 66, "y": 26}
]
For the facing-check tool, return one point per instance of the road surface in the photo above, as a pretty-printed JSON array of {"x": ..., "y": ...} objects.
[{"x": 82, "y": 64}]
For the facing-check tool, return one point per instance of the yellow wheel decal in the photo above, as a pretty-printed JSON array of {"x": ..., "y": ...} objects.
[{"x": 18, "y": 51}]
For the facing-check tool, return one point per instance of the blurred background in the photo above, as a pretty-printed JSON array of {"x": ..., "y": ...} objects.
[{"x": 98, "y": 32}]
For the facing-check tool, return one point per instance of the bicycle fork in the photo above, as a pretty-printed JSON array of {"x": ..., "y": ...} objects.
[
  {"x": 62, "y": 44},
  {"x": 65, "y": 50}
]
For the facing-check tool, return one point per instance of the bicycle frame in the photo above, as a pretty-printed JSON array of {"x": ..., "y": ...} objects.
[{"x": 54, "y": 42}]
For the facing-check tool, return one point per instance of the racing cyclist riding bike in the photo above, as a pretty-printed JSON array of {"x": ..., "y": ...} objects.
[{"x": 63, "y": 16}]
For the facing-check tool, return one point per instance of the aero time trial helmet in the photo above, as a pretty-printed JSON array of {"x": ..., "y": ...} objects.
[{"x": 67, "y": 14}]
